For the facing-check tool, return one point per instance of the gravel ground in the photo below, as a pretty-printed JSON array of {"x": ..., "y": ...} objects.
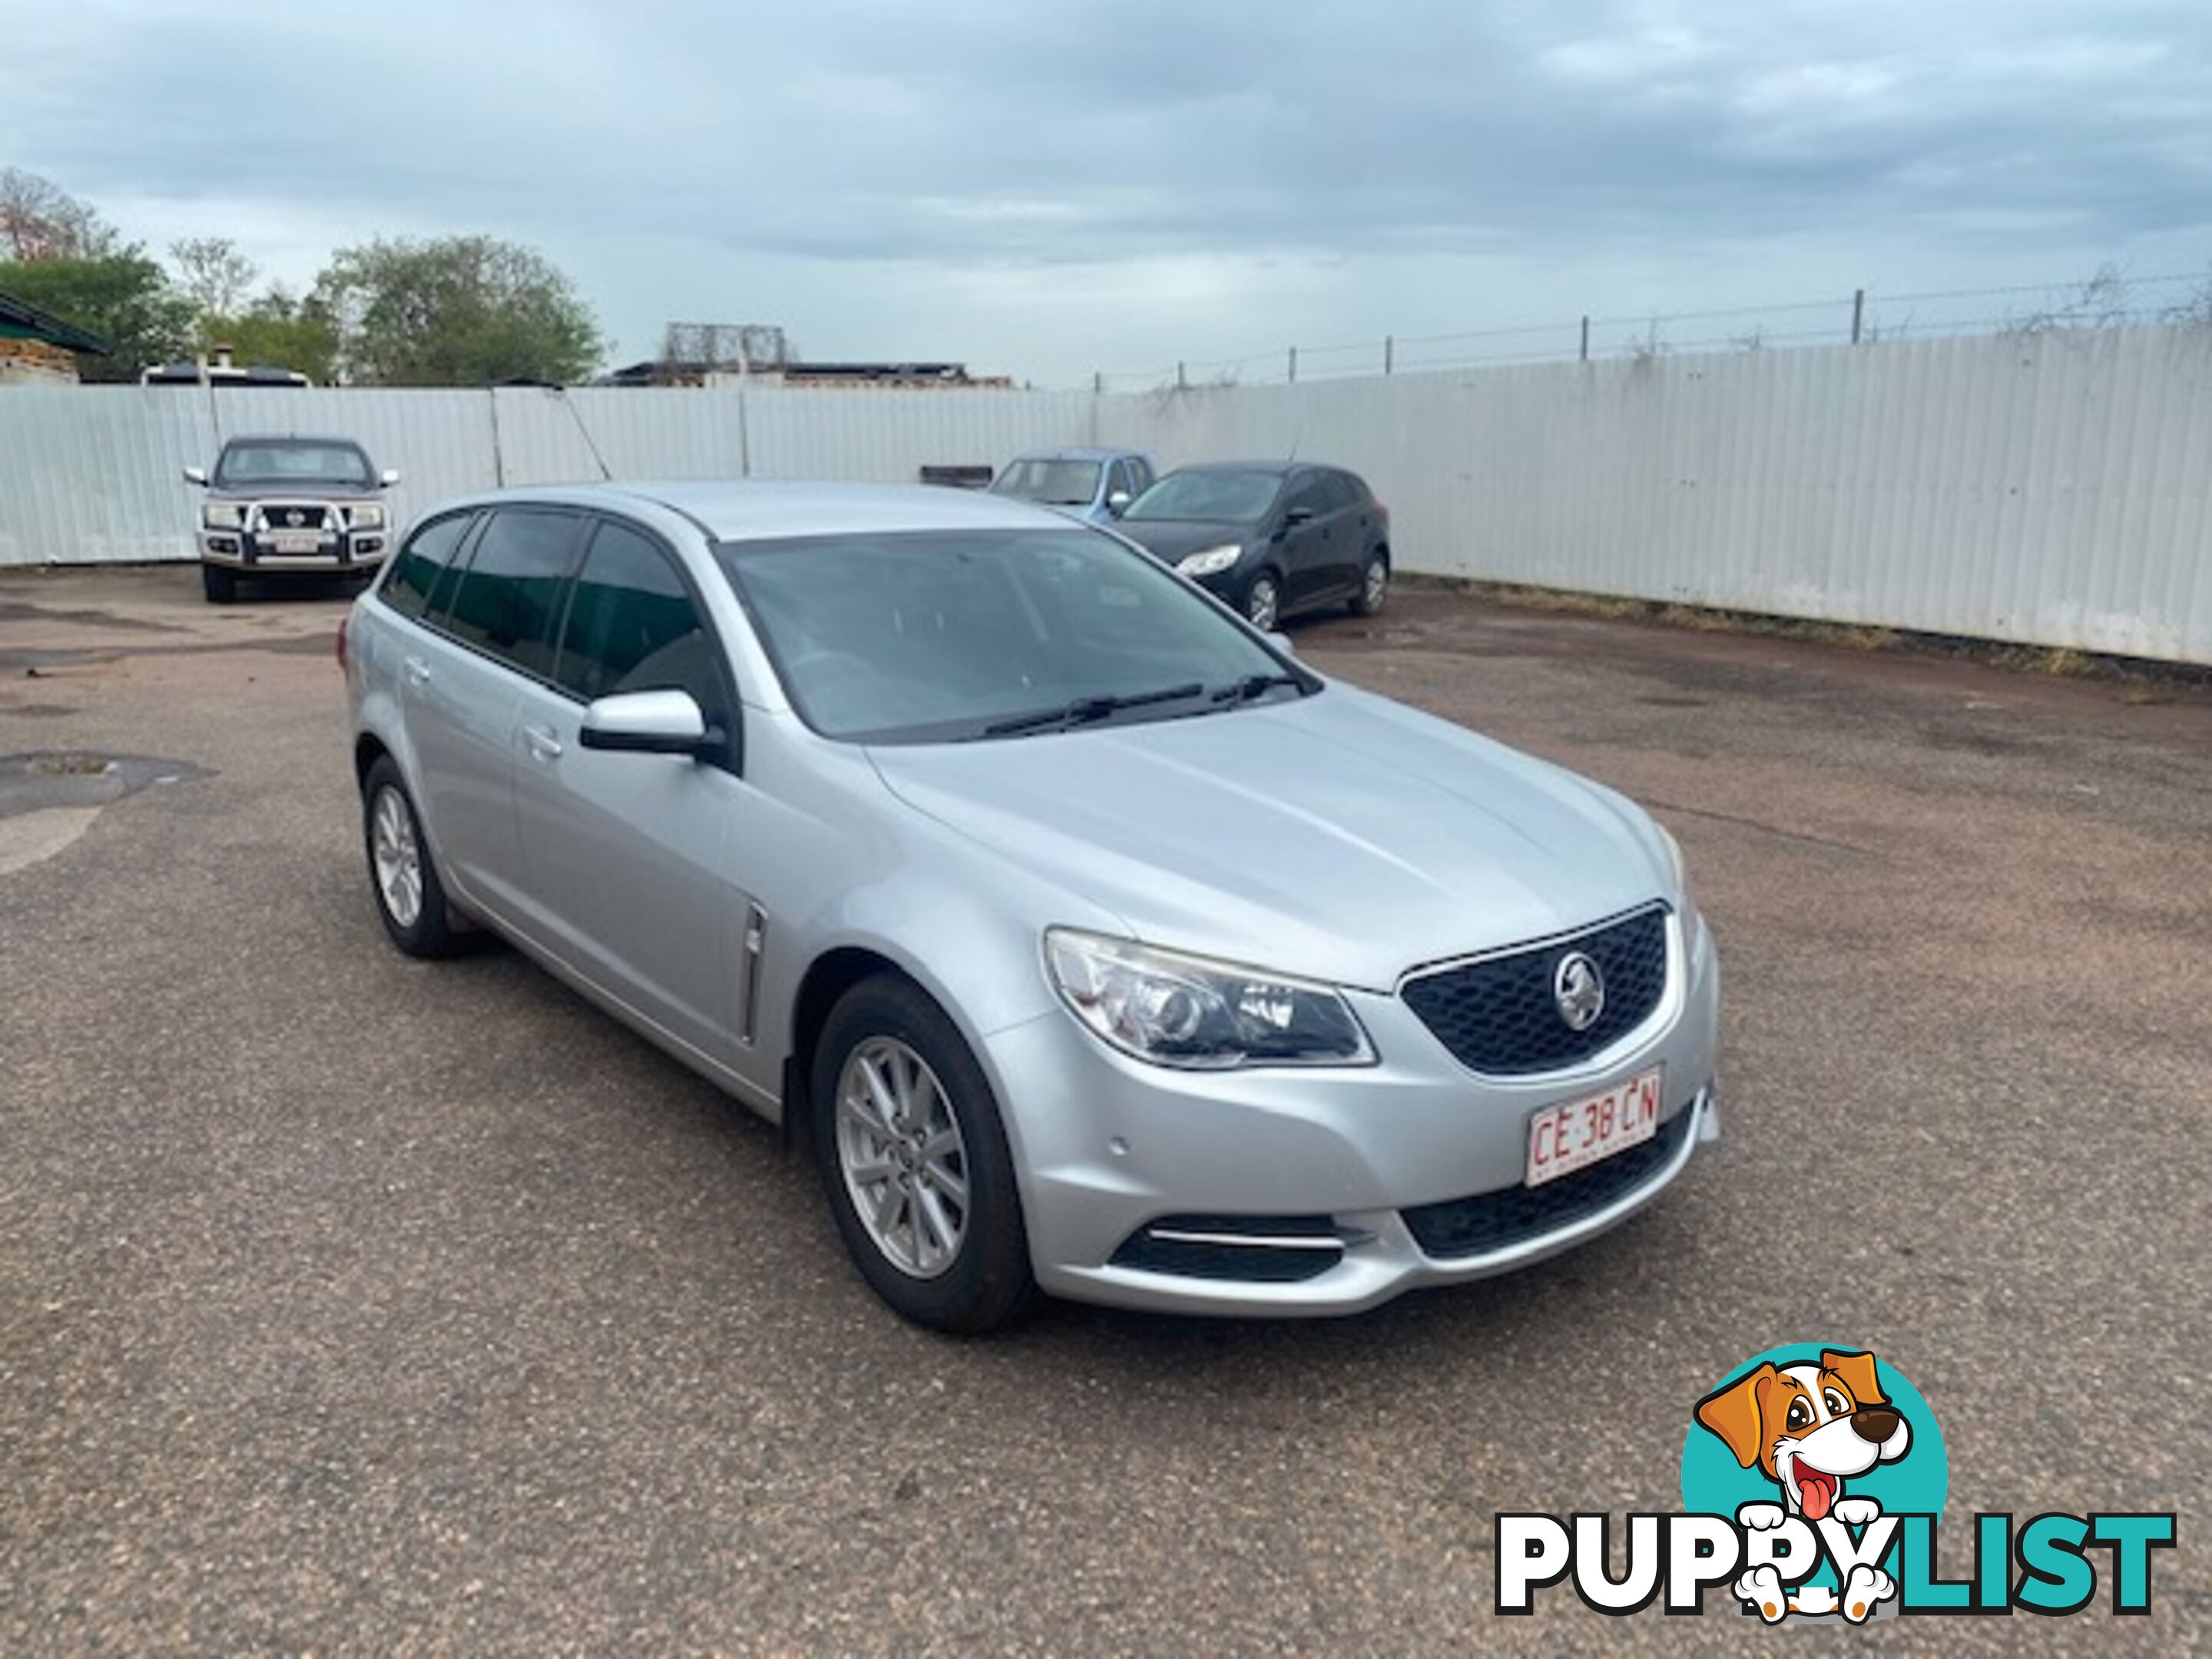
[{"x": 353, "y": 1304}]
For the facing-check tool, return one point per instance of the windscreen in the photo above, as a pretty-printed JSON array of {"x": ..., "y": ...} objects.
[
  {"x": 942, "y": 635},
  {"x": 1223, "y": 497},
  {"x": 286, "y": 462},
  {"x": 1055, "y": 484}
]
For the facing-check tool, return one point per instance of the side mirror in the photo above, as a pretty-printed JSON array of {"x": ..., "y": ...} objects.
[
  {"x": 1118, "y": 502},
  {"x": 196, "y": 475},
  {"x": 651, "y": 723},
  {"x": 1282, "y": 642},
  {"x": 388, "y": 478}
]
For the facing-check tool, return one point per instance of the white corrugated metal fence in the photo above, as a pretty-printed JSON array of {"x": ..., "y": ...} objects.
[{"x": 2049, "y": 488}]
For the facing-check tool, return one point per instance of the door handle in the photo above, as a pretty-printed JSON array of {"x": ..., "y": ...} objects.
[
  {"x": 542, "y": 742},
  {"x": 418, "y": 671}
]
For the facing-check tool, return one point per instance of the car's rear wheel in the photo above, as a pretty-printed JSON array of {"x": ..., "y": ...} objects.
[
  {"x": 1263, "y": 601},
  {"x": 1374, "y": 584},
  {"x": 219, "y": 582},
  {"x": 914, "y": 1160},
  {"x": 410, "y": 898}
]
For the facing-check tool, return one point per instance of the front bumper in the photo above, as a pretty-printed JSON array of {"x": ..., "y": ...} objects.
[
  {"x": 348, "y": 550},
  {"x": 1220, "y": 1161}
]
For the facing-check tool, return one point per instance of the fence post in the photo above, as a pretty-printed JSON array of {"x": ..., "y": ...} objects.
[
  {"x": 1183, "y": 384},
  {"x": 1585, "y": 354},
  {"x": 1097, "y": 382},
  {"x": 1858, "y": 312},
  {"x": 1294, "y": 364},
  {"x": 1389, "y": 351}
]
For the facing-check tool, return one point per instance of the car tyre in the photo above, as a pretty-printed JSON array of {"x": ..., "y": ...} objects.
[
  {"x": 411, "y": 900},
  {"x": 1263, "y": 600},
  {"x": 1374, "y": 584},
  {"x": 904, "y": 1124},
  {"x": 219, "y": 582}
]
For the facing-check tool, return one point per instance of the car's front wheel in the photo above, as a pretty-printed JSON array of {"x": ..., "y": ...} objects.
[
  {"x": 219, "y": 582},
  {"x": 1263, "y": 601},
  {"x": 914, "y": 1160},
  {"x": 410, "y": 898}
]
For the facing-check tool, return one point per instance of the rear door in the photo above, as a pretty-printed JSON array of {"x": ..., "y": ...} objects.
[
  {"x": 627, "y": 854},
  {"x": 491, "y": 622}
]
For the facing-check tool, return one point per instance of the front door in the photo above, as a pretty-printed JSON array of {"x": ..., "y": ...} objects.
[
  {"x": 627, "y": 855},
  {"x": 1308, "y": 545}
]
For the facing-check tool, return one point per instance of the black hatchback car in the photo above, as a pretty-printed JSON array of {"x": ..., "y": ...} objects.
[{"x": 1273, "y": 539}]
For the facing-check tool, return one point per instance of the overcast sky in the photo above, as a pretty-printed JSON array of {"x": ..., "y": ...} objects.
[{"x": 1047, "y": 188}]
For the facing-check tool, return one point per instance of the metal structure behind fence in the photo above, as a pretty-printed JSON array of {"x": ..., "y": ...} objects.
[
  {"x": 2052, "y": 487},
  {"x": 1860, "y": 317}
]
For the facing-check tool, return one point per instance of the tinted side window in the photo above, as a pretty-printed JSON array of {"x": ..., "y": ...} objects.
[
  {"x": 1141, "y": 475},
  {"x": 1354, "y": 491},
  {"x": 422, "y": 560},
  {"x": 632, "y": 626},
  {"x": 506, "y": 599}
]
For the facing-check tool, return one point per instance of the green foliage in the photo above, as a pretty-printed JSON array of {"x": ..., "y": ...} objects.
[
  {"x": 278, "y": 331},
  {"x": 456, "y": 311},
  {"x": 124, "y": 297}
]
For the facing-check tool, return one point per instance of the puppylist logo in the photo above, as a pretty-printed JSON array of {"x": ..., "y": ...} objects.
[{"x": 1813, "y": 1480}]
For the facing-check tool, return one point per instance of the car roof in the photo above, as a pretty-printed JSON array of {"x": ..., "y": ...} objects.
[
  {"x": 759, "y": 510},
  {"x": 1077, "y": 453},
  {"x": 246, "y": 441},
  {"x": 1277, "y": 468}
]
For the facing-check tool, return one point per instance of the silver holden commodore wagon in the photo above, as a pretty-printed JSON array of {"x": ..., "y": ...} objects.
[{"x": 1095, "y": 943}]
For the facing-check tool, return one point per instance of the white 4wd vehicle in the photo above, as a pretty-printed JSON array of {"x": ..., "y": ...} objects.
[{"x": 289, "y": 506}]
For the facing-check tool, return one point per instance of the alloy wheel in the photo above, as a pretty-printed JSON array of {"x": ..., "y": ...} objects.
[
  {"x": 397, "y": 855},
  {"x": 1262, "y": 602},
  {"x": 902, "y": 1156}
]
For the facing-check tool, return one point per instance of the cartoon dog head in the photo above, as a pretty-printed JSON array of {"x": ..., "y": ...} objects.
[{"x": 1808, "y": 1427}]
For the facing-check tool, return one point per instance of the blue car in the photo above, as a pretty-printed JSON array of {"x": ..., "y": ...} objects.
[{"x": 1091, "y": 484}]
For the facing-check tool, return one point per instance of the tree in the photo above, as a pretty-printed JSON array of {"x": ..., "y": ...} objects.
[
  {"x": 124, "y": 297},
  {"x": 215, "y": 273},
  {"x": 40, "y": 221},
  {"x": 279, "y": 332},
  {"x": 455, "y": 311}
]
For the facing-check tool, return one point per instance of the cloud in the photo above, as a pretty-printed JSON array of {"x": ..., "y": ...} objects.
[{"x": 826, "y": 164}]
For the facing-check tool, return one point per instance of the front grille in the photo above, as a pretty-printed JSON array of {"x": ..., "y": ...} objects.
[
  {"x": 1499, "y": 1220},
  {"x": 1498, "y": 1015},
  {"x": 1217, "y": 1247},
  {"x": 277, "y": 516}
]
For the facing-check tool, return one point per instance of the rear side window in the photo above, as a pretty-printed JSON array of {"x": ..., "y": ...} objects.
[
  {"x": 505, "y": 603},
  {"x": 428, "y": 553},
  {"x": 1353, "y": 489},
  {"x": 632, "y": 626},
  {"x": 1337, "y": 491}
]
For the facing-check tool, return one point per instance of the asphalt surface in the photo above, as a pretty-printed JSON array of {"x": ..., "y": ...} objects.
[{"x": 353, "y": 1304}]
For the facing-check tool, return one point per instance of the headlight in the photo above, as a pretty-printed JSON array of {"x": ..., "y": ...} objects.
[
  {"x": 1211, "y": 562},
  {"x": 1683, "y": 903},
  {"x": 1174, "y": 1009},
  {"x": 368, "y": 516},
  {"x": 223, "y": 515}
]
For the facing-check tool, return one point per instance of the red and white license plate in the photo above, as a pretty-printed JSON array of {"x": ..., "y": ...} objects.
[
  {"x": 295, "y": 542},
  {"x": 1577, "y": 1133}
]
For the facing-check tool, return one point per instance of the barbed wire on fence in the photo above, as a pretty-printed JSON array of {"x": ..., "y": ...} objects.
[{"x": 2108, "y": 298}]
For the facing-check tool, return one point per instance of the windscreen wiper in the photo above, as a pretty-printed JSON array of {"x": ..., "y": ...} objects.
[
  {"x": 1084, "y": 710},
  {"x": 1254, "y": 685}
]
